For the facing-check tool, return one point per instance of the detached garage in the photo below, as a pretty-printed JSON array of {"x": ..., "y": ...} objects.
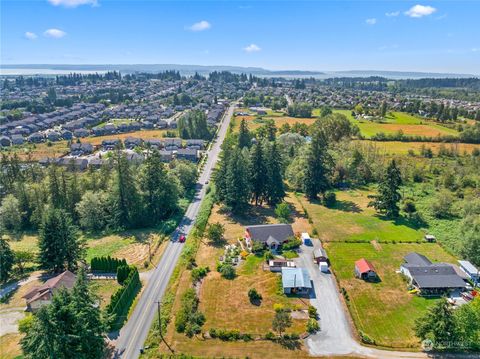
[{"x": 365, "y": 270}]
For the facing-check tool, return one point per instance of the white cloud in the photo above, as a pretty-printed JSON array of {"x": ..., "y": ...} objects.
[
  {"x": 371, "y": 21},
  {"x": 252, "y": 48},
  {"x": 30, "y": 35},
  {"x": 200, "y": 26},
  {"x": 392, "y": 14},
  {"x": 55, "y": 33},
  {"x": 420, "y": 11},
  {"x": 475, "y": 49},
  {"x": 72, "y": 3}
]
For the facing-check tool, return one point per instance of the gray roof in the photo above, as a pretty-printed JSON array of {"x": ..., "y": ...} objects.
[
  {"x": 468, "y": 267},
  {"x": 295, "y": 278},
  {"x": 436, "y": 276},
  {"x": 266, "y": 232},
  {"x": 417, "y": 259}
]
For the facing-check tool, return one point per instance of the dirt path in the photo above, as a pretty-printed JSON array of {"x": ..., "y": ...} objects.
[{"x": 8, "y": 320}]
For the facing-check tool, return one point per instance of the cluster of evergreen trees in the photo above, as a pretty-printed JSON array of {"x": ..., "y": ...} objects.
[
  {"x": 250, "y": 172},
  {"x": 194, "y": 125},
  {"x": 300, "y": 109},
  {"x": 106, "y": 264}
]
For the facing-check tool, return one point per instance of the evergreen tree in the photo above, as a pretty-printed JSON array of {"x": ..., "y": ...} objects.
[
  {"x": 7, "y": 259},
  {"x": 89, "y": 326},
  {"x": 125, "y": 197},
  {"x": 237, "y": 182},
  {"x": 159, "y": 193},
  {"x": 438, "y": 324},
  {"x": 59, "y": 245},
  {"x": 244, "y": 136},
  {"x": 383, "y": 109},
  {"x": 387, "y": 199},
  {"x": 275, "y": 191},
  {"x": 55, "y": 188},
  {"x": 318, "y": 167},
  {"x": 258, "y": 173}
]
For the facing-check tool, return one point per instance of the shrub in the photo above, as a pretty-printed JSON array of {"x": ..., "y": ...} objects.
[
  {"x": 106, "y": 264},
  {"x": 258, "y": 248},
  {"x": 244, "y": 254},
  {"x": 278, "y": 307},
  {"x": 312, "y": 326},
  {"x": 365, "y": 338},
  {"x": 253, "y": 295},
  {"x": 329, "y": 199},
  {"x": 199, "y": 273},
  {"x": 122, "y": 274},
  {"x": 291, "y": 243},
  {"x": 188, "y": 319},
  {"x": 312, "y": 312},
  {"x": 269, "y": 336},
  {"x": 283, "y": 212},
  {"x": 227, "y": 271},
  {"x": 268, "y": 255}
]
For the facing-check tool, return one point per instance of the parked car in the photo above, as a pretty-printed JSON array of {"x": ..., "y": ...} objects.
[{"x": 182, "y": 238}]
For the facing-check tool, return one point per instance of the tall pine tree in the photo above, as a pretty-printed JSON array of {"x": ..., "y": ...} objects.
[
  {"x": 275, "y": 190},
  {"x": 388, "y": 197},
  {"x": 244, "y": 136},
  {"x": 318, "y": 167},
  {"x": 60, "y": 247},
  {"x": 237, "y": 183},
  {"x": 258, "y": 173}
]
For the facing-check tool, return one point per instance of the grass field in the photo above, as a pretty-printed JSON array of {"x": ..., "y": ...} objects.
[
  {"x": 385, "y": 311},
  {"x": 254, "y": 122},
  {"x": 351, "y": 219},
  {"x": 402, "y": 148},
  {"x": 9, "y": 347}
]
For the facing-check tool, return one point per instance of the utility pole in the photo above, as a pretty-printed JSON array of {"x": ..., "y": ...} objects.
[{"x": 160, "y": 328}]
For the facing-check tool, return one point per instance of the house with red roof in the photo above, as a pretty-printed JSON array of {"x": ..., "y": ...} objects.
[
  {"x": 42, "y": 295},
  {"x": 365, "y": 270}
]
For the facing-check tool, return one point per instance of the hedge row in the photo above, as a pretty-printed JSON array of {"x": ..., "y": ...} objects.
[
  {"x": 122, "y": 299},
  {"x": 106, "y": 264}
]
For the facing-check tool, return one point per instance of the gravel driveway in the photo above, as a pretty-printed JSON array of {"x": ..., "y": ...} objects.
[{"x": 335, "y": 336}]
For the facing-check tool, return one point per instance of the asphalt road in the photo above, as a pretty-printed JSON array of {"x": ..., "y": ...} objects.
[{"x": 133, "y": 335}]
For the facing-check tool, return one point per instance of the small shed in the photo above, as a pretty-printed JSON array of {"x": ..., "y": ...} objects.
[
  {"x": 320, "y": 255},
  {"x": 365, "y": 270},
  {"x": 430, "y": 238}
]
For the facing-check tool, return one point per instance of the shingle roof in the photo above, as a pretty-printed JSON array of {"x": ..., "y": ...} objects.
[
  {"x": 417, "y": 259},
  {"x": 436, "y": 276},
  {"x": 266, "y": 232},
  {"x": 295, "y": 278},
  {"x": 364, "y": 266}
]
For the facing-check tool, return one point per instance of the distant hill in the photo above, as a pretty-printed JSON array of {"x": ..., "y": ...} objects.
[
  {"x": 188, "y": 70},
  {"x": 396, "y": 74}
]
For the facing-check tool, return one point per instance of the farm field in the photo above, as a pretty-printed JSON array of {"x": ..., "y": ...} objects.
[
  {"x": 35, "y": 152},
  {"x": 402, "y": 148},
  {"x": 352, "y": 220},
  {"x": 255, "y": 122},
  {"x": 225, "y": 302},
  {"x": 385, "y": 311}
]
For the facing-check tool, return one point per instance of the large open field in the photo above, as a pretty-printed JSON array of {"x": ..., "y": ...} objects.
[
  {"x": 255, "y": 122},
  {"x": 352, "y": 220},
  {"x": 35, "y": 152},
  {"x": 385, "y": 311},
  {"x": 403, "y": 148}
]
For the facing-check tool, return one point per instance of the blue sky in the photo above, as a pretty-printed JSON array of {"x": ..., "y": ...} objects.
[{"x": 434, "y": 36}]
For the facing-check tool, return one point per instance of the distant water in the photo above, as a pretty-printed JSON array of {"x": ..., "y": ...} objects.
[{"x": 31, "y": 72}]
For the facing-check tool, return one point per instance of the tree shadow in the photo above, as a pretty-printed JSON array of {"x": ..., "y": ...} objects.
[
  {"x": 347, "y": 206},
  {"x": 289, "y": 343}
]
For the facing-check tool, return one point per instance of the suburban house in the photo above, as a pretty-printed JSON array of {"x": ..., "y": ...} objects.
[
  {"x": 187, "y": 154},
  {"x": 270, "y": 235},
  {"x": 428, "y": 277},
  {"x": 79, "y": 149},
  {"x": 365, "y": 270},
  {"x": 42, "y": 295},
  {"x": 296, "y": 281},
  {"x": 470, "y": 270},
  {"x": 276, "y": 265}
]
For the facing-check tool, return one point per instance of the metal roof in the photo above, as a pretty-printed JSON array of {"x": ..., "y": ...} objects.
[
  {"x": 468, "y": 267},
  {"x": 295, "y": 278}
]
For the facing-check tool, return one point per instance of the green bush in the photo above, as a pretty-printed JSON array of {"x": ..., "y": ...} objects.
[
  {"x": 312, "y": 326},
  {"x": 199, "y": 273},
  {"x": 122, "y": 273},
  {"x": 270, "y": 336},
  {"x": 253, "y": 295},
  {"x": 188, "y": 319},
  {"x": 312, "y": 312},
  {"x": 229, "y": 335},
  {"x": 329, "y": 199},
  {"x": 292, "y": 243},
  {"x": 227, "y": 271},
  {"x": 365, "y": 338},
  {"x": 106, "y": 264}
]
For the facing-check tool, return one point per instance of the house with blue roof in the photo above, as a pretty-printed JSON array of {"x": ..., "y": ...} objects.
[{"x": 296, "y": 281}]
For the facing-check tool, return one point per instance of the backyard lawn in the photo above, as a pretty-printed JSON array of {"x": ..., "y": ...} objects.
[
  {"x": 352, "y": 220},
  {"x": 385, "y": 311}
]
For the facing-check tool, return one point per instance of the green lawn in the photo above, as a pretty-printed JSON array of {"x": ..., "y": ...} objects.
[
  {"x": 106, "y": 246},
  {"x": 385, "y": 311},
  {"x": 352, "y": 220}
]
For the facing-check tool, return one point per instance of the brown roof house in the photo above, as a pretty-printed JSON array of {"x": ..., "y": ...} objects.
[{"x": 42, "y": 295}]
